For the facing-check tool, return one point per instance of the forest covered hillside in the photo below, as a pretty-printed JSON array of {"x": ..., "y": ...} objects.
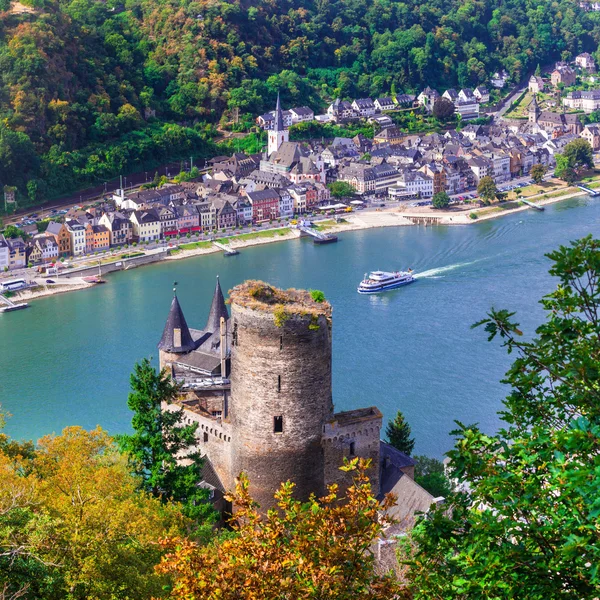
[{"x": 91, "y": 88}]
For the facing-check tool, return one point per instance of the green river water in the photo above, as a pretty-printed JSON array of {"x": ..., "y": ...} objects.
[{"x": 67, "y": 359}]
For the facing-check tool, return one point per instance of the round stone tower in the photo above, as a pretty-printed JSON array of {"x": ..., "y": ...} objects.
[{"x": 280, "y": 388}]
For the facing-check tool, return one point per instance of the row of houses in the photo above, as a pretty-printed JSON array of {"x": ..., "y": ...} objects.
[{"x": 466, "y": 101}]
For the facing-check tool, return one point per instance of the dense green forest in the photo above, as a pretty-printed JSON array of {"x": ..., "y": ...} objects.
[{"x": 91, "y": 88}]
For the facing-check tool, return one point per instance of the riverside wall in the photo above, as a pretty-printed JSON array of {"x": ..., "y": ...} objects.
[{"x": 117, "y": 265}]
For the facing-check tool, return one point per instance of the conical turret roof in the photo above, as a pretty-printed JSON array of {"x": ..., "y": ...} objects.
[
  {"x": 176, "y": 336},
  {"x": 218, "y": 309}
]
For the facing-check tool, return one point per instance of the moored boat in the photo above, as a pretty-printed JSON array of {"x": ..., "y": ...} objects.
[{"x": 380, "y": 281}]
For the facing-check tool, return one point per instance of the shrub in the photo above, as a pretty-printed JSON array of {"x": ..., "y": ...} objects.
[
  {"x": 317, "y": 295},
  {"x": 472, "y": 215}
]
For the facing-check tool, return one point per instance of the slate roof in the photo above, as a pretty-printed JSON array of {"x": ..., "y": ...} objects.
[
  {"x": 176, "y": 320},
  {"x": 218, "y": 309}
]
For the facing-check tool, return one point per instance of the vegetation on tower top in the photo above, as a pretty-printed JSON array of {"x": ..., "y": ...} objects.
[{"x": 259, "y": 295}]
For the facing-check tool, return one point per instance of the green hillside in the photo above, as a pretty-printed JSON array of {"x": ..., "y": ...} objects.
[{"x": 88, "y": 87}]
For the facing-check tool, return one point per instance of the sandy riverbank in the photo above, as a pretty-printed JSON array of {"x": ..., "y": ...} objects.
[
  {"x": 44, "y": 289},
  {"x": 356, "y": 221}
]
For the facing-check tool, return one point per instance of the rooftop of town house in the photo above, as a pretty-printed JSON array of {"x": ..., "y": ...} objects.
[{"x": 261, "y": 296}]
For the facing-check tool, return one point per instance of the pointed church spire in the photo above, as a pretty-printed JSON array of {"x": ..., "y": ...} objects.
[
  {"x": 176, "y": 336},
  {"x": 278, "y": 125},
  {"x": 218, "y": 309}
]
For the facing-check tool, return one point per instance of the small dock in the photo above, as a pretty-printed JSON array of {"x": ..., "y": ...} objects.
[
  {"x": 532, "y": 204},
  {"x": 319, "y": 237},
  {"x": 226, "y": 251},
  {"x": 7, "y": 305},
  {"x": 589, "y": 190}
]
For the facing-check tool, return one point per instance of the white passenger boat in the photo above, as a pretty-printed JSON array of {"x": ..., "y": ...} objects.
[{"x": 380, "y": 281}]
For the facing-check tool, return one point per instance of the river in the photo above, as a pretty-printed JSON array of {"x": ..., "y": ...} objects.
[{"x": 67, "y": 359}]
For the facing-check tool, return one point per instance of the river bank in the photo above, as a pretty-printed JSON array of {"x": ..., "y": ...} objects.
[{"x": 356, "y": 221}]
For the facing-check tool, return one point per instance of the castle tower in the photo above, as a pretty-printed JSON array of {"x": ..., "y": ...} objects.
[
  {"x": 176, "y": 338},
  {"x": 534, "y": 110},
  {"x": 280, "y": 388},
  {"x": 278, "y": 134}
]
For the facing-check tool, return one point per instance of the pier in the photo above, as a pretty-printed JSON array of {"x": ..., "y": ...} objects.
[
  {"x": 7, "y": 305},
  {"x": 227, "y": 251},
  {"x": 589, "y": 191},
  {"x": 532, "y": 204},
  {"x": 319, "y": 237}
]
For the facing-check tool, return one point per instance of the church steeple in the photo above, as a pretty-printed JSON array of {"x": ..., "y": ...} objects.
[
  {"x": 278, "y": 125},
  {"x": 534, "y": 110},
  {"x": 278, "y": 134},
  {"x": 176, "y": 336},
  {"x": 218, "y": 309}
]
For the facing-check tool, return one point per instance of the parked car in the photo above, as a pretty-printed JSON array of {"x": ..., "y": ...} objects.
[{"x": 50, "y": 281}]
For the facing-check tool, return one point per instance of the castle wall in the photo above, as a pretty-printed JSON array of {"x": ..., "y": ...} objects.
[
  {"x": 213, "y": 440},
  {"x": 349, "y": 435},
  {"x": 279, "y": 372}
]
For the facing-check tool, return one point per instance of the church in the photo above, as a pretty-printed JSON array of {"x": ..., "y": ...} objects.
[
  {"x": 290, "y": 159},
  {"x": 556, "y": 123},
  {"x": 258, "y": 384}
]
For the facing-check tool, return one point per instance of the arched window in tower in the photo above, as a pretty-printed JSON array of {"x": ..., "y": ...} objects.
[
  {"x": 352, "y": 448},
  {"x": 278, "y": 424}
]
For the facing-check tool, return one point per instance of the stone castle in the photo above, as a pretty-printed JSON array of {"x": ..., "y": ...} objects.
[{"x": 258, "y": 383}]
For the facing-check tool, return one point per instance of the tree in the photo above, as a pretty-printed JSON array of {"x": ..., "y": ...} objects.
[
  {"x": 441, "y": 200},
  {"x": 538, "y": 70},
  {"x": 579, "y": 154},
  {"x": 487, "y": 189},
  {"x": 160, "y": 440},
  {"x": 398, "y": 434},
  {"x": 537, "y": 173},
  {"x": 74, "y": 524},
  {"x": 12, "y": 232},
  {"x": 431, "y": 475},
  {"x": 563, "y": 169},
  {"x": 443, "y": 109},
  {"x": 310, "y": 550},
  {"x": 529, "y": 520},
  {"x": 341, "y": 189}
]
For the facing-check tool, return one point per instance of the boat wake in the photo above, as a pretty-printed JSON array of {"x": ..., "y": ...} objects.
[{"x": 436, "y": 273}]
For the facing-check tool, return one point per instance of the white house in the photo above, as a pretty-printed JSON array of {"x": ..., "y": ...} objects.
[
  {"x": 482, "y": 94},
  {"x": 77, "y": 233},
  {"x": 301, "y": 114},
  {"x": 365, "y": 107},
  {"x": 286, "y": 203},
  {"x": 585, "y": 61},
  {"x": 385, "y": 103},
  {"x": 416, "y": 184}
]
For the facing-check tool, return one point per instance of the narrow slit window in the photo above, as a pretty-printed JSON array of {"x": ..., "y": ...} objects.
[
  {"x": 281, "y": 342},
  {"x": 279, "y": 383},
  {"x": 234, "y": 335},
  {"x": 352, "y": 448},
  {"x": 205, "y": 437},
  {"x": 278, "y": 424}
]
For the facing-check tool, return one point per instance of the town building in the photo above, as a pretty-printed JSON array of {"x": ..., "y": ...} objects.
[
  {"x": 145, "y": 225},
  {"x": 364, "y": 107},
  {"x": 265, "y": 205},
  {"x": 591, "y": 133},
  {"x": 536, "y": 84},
  {"x": 4, "y": 253},
  {"x": 77, "y": 232},
  {"x": 302, "y": 114},
  {"x": 585, "y": 61},
  {"x": 385, "y": 103},
  {"x": 62, "y": 236},
  {"x": 427, "y": 98},
  {"x": 587, "y": 101},
  {"x": 563, "y": 74},
  {"x": 481, "y": 94}
]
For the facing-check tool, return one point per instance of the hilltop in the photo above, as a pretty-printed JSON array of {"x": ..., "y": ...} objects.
[{"x": 91, "y": 89}]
